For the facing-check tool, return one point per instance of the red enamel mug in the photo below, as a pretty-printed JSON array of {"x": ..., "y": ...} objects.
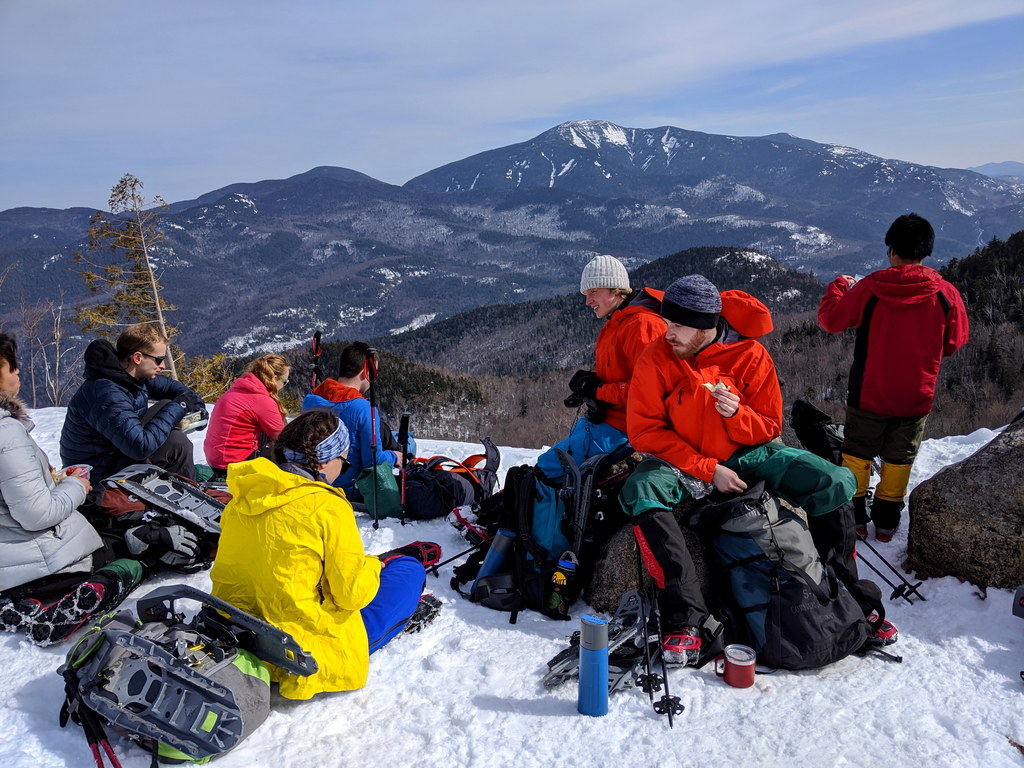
[{"x": 736, "y": 665}]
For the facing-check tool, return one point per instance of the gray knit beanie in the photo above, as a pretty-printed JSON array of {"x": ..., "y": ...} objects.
[
  {"x": 692, "y": 301},
  {"x": 604, "y": 272}
]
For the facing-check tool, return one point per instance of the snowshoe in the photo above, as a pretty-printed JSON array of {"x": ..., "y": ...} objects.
[
  {"x": 169, "y": 493},
  {"x": 625, "y": 648}
]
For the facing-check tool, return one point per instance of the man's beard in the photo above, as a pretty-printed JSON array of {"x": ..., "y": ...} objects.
[{"x": 688, "y": 350}]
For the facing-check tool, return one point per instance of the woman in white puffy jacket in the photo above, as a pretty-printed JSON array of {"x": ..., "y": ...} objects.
[{"x": 55, "y": 570}]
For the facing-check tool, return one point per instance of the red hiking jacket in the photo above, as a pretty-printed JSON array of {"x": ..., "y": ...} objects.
[
  {"x": 239, "y": 417},
  {"x": 907, "y": 319}
]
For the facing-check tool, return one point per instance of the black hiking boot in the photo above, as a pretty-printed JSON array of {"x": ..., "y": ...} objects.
[
  {"x": 860, "y": 516},
  {"x": 886, "y": 516},
  {"x": 18, "y": 614}
]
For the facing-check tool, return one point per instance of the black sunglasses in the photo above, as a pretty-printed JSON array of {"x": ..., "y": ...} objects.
[{"x": 158, "y": 359}]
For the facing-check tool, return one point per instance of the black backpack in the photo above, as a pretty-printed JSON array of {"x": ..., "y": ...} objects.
[
  {"x": 790, "y": 606},
  {"x": 529, "y": 577},
  {"x": 817, "y": 432},
  {"x": 435, "y": 486}
]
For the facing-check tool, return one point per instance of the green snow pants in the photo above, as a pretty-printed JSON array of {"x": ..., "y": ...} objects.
[{"x": 798, "y": 476}]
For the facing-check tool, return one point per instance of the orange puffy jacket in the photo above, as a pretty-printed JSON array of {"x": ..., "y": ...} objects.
[
  {"x": 672, "y": 416},
  {"x": 623, "y": 337}
]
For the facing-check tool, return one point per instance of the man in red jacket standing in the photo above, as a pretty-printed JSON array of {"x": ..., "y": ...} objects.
[{"x": 907, "y": 319}]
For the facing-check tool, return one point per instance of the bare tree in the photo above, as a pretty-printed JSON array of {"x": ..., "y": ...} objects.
[
  {"x": 57, "y": 352},
  {"x": 32, "y": 317}
]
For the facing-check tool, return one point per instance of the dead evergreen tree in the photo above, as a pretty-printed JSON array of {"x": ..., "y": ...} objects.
[{"x": 129, "y": 232}]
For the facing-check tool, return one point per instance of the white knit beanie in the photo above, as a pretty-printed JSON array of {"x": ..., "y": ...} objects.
[{"x": 604, "y": 272}]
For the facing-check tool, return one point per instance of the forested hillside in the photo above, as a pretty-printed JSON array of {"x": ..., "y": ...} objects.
[{"x": 535, "y": 337}]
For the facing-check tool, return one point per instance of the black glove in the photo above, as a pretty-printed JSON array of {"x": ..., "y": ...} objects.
[
  {"x": 171, "y": 544},
  {"x": 585, "y": 384},
  {"x": 597, "y": 411},
  {"x": 192, "y": 402}
]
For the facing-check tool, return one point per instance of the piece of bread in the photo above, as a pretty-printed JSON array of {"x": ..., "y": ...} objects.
[{"x": 712, "y": 388}]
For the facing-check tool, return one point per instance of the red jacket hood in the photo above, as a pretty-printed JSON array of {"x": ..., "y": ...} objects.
[
  {"x": 336, "y": 392},
  {"x": 746, "y": 314},
  {"x": 905, "y": 283}
]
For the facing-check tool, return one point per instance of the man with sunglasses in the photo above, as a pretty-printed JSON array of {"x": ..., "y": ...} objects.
[{"x": 110, "y": 423}]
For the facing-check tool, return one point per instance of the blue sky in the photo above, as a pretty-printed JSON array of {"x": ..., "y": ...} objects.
[{"x": 193, "y": 95}]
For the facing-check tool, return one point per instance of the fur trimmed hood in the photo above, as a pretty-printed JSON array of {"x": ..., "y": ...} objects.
[{"x": 13, "y": 406}]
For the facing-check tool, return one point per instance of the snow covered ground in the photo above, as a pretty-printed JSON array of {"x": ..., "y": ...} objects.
[{"x": 466, "y": 691}]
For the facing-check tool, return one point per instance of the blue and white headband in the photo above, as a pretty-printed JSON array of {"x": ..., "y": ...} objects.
[{"x": 331, "y": 447}]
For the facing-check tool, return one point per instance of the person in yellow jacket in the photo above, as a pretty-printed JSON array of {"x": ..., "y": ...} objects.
[{"x": 290, "y": 553}]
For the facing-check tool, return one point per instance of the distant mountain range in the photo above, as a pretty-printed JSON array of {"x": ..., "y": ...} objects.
[
  {"x": 257, "y": 266},
  {"x": 1007, "y": 169}
]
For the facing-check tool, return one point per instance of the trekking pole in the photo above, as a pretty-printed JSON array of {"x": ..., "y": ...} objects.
[
  {"x": 318, "y": 352},
  {"x": 650, "y": 682},
  {"x": 434, "y": 568},
  {"x": 370, "y": 369},
  {"x": 898, "y": 591},
  {"x": 403, "y": 446}
]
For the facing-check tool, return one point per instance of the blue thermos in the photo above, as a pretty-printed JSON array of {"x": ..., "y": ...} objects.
[
  {"x": 501, "y": 545},
  {"x": 593, "y": 694}
]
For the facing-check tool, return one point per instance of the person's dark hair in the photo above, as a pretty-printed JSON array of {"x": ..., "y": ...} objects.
[
  {"x": 911, "y": 237},
  {"x": 353, "y": 358},
  {"x": 303, "y": 435},
  {"x": 9, "y": 351}
]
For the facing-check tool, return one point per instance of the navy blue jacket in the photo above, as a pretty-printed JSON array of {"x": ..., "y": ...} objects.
[{"x": 103, "y": 426}]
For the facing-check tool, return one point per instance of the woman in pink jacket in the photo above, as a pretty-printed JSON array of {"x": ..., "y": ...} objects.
[{"x": 249, "y": 416}]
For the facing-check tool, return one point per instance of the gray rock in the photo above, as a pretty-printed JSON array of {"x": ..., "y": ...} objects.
[
  {"x": 616, "y": 569},
  {"x": 968, "y": 520}
]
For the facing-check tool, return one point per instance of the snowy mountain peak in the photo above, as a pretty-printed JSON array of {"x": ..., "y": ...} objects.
[{"x": 587, "y": 134}]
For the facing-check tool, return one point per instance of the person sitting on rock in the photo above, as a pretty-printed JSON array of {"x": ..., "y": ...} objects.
[
  {"x": 110, "y": 423},
  {"x": 706, "y": 408},
  {"x": 631, "y": 321}
]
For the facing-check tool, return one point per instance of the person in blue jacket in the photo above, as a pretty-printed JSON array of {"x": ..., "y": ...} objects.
[
  {"x": 346, "y": 396},
  {"x": 110, "y": 423}
]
